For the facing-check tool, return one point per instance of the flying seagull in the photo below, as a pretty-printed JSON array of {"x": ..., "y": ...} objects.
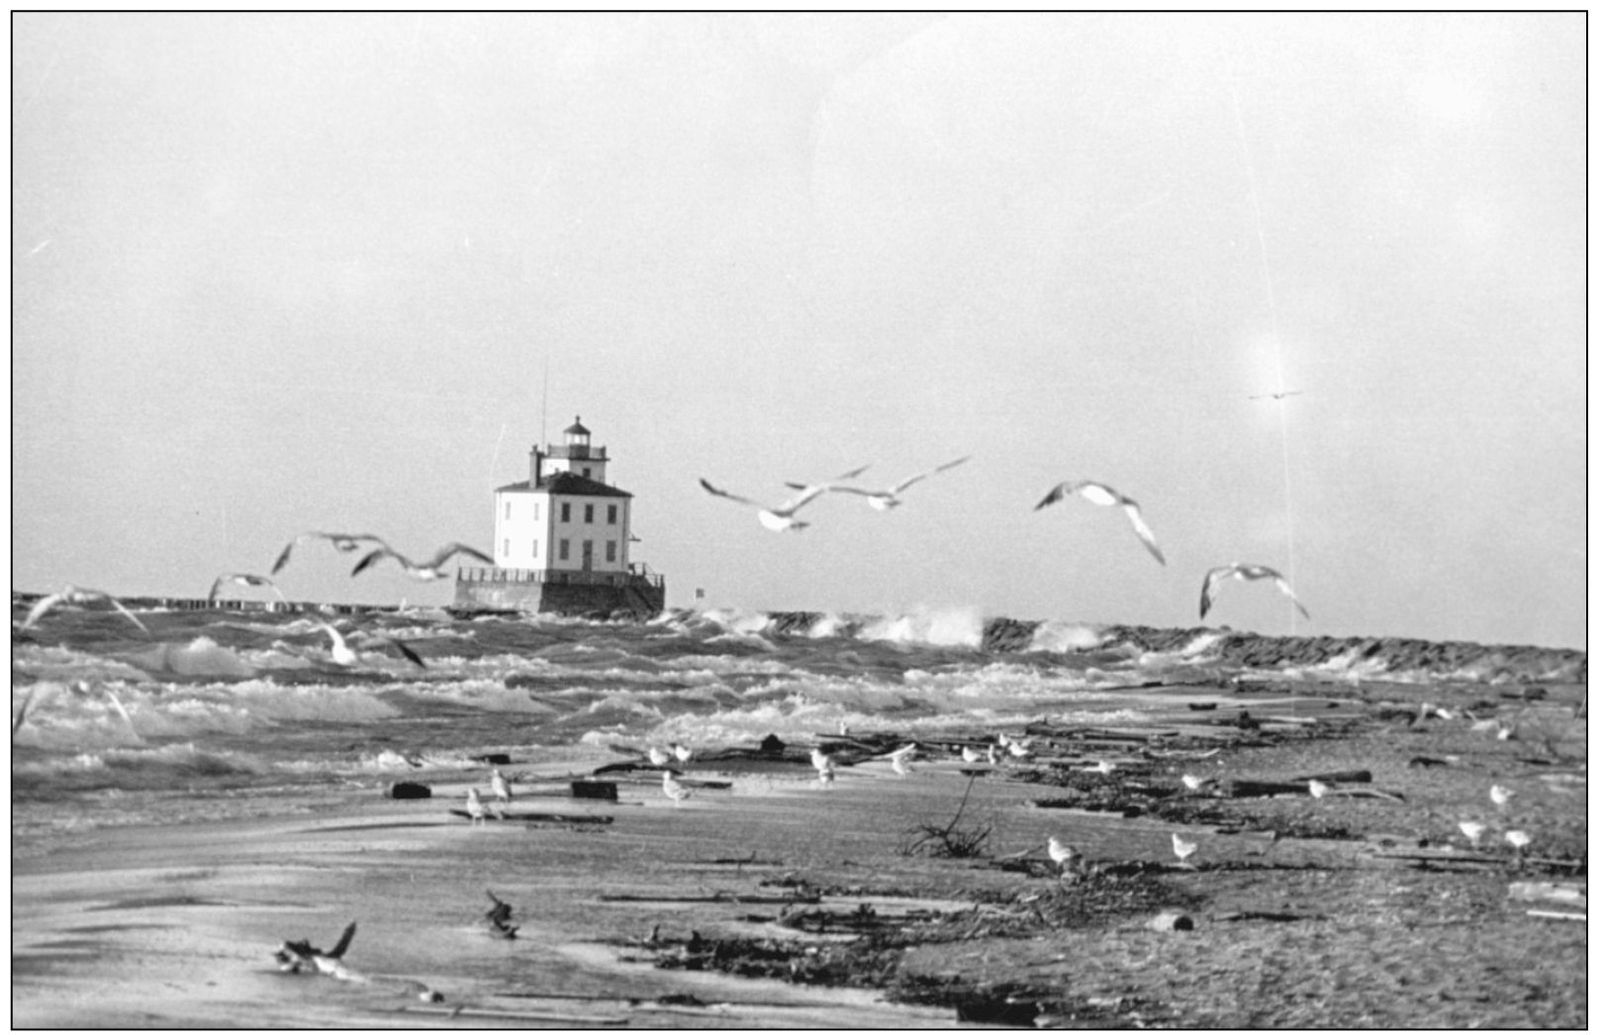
[
  {"x": 1106, "y": 496},
  {"x": 75, "y": 595},
  {"x": 1210, "y": 583},
  {"x": 343, "y": 542},
  {"x": 426, "y": 571},
  {"x": 242, "y": 579},
  {"x": 776, "y": 519},
  {"x": 885, "y": 499},
  {"x": 1276, "y": 395}
]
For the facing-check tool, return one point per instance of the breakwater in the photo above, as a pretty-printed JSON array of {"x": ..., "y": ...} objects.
[
  {"x": 1001, "y": 635},
  {"x": 1494, "y": 662}
]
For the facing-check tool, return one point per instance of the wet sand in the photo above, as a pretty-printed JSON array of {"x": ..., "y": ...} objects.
[{"x": 175, "y": 925}]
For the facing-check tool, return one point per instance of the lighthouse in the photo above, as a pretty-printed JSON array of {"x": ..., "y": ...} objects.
[{"x": 562, "y": 540}]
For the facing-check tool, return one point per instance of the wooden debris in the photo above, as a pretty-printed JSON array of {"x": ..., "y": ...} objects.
[
  {"x": 576, "y": 1020},
  {"x": 1273, "y": 917},
  {"x": 1337, "y": 776},
  {"x": 1422, "y": 856},
  {"x": 1553, "y": 915},
  {"x": 1548, "y": 891},
  {"x": 605, "y": 790},
  {"x": 538, "y": 817},
  {"x": 743, "y": 898}
]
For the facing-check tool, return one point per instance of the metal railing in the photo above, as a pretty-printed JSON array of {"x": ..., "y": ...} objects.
[{"x": 558, "y": 577}]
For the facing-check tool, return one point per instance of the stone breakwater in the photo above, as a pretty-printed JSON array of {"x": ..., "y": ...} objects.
[{"x": 1477, "y": 661}]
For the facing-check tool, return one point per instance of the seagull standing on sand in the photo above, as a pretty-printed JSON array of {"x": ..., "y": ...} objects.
[
  {"x": 680, "y": 752},
  {"x": 342, "y": 542},
  {"x": 424, "y": 571},
  {"x": 1500, "y": 795},
  {"x": 1473, "y": 831},
  {"x": 1318, "y": 788},
  {"x": 1194, "y": 783},
  {"x": 825, "y": 766},
  {"x": 1215, "y": 576},
  {"x": 75, "y": 595},
  {"x": 502, "y": 791},
  {"x": 972, "y": 755},
  {"x": 1061, "y": 853},
  {"x": 885, "y": 499},
  {"x": 243, "y": 579},
  {"x": 675, "y": 790},
  {"x": 781, "y": 518},
  {"x": 1107, "y": 496},
  {"x": 1518, "y": 838},
  {"x": 1183, "y": 849},
  {"x": 475, "y": 807}
]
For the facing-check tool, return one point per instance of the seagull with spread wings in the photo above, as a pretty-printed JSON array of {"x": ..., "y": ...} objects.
[
  {"x": 426, "y": 571},
  {"x": 781, "y": 518},
  {"x": 341, "y": 653},
  {"x": 77, "y": 595},
  {"x": 1107, "y": 496},
  {"x": 1215, "y": 576},
  {"x": 885, "y": 499},
  {"x": 242, "y": 579},
  {"x": 343, "y": 542}
]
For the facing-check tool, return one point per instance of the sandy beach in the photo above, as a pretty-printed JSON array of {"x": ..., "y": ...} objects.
[{"x": 1370, "y": 909}]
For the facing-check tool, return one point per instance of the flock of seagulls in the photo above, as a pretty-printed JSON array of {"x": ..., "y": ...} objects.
[
  {"x": 781, "y": 517},
  {"x": 884, "y": 499}
]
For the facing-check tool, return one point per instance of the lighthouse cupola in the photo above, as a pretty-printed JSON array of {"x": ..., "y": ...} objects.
[{"x": 577, "y": 456}]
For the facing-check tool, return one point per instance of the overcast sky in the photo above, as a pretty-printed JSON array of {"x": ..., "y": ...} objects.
[{"x": 274, "y": 273}]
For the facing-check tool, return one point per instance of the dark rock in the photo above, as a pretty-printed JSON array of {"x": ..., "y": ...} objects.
[
  {"x": 407, "y": 789},
  {"x": 1171, "y": 920},
  {"x": 772, "y": 745},
  {"x": 605, "y": 790},
  {"x": 496, "y": 758}
]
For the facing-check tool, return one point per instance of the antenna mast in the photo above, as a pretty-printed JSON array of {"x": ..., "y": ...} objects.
[{"x": 545, "y": 391}]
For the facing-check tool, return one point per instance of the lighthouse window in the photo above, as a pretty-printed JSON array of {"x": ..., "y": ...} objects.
[
  {"x": 612, "y": 550},
  {"x": 506, "y": 548},
  {"x": 534, "y": 551},
  {"x": 562, "y": 548},
  {"x": 537, "y": 511},
  {"x": 507, "y": 510},
  {"x": 587, "y": 472},
  {"x": 589, "y": 513},
  {"x": 612, "y": 514},
  {"x": 565, "y": 511}
]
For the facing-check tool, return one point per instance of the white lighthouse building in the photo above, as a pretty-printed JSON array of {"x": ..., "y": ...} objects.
[{"x": 562, "y": 540}]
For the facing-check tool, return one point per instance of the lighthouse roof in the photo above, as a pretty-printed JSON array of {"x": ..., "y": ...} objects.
[
  {"x": 576, "y": 428},
  {"x": 566, "y": 483}
]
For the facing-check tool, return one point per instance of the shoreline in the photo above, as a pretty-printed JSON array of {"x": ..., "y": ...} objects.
[{"x": 175, "y": 924}]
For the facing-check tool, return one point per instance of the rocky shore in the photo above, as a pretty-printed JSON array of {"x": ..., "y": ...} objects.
[{"x": 1352, "y": 868}]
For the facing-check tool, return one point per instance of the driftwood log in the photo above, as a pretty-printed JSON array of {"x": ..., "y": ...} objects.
[
  {"x": 1548, "y": 891},
  {"x": 535, "y": 817}
]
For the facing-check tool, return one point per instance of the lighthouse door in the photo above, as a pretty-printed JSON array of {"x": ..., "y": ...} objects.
[{"x": 589, "y": 554}]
